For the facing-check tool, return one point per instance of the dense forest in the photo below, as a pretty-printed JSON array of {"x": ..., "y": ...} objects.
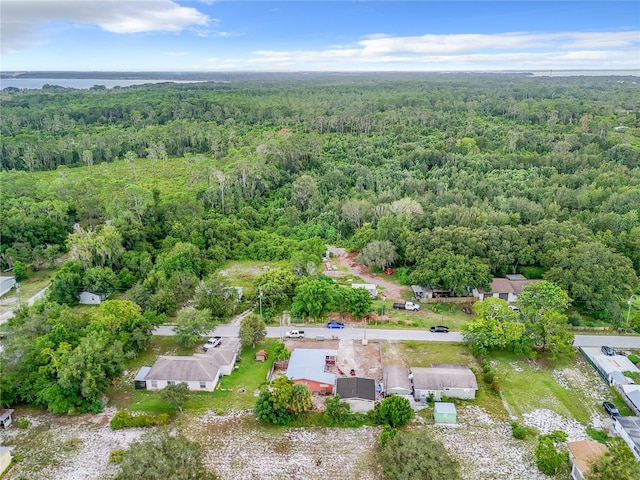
[{"x": 452, "y": 179}]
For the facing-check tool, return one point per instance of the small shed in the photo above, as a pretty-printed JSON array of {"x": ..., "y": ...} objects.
[
  {"x": 261, "y": 355},
  {"x": 6, "y": 284},
  {"x": 581, "y": 454},
  {"x": 5, "y": 417},
  {"x": 369, "y": 287},
  {"x": 139, "y": 382},
  {"x": 90, "y": 298},
  {"x": 5, "y": 459},
  {"x": 358, "y": 392},
  {"x": 444, "y": 412}
]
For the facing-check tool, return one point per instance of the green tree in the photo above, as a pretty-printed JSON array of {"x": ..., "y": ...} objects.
[
  {"x": 300, "y": 402},
  {"x": 161, "y": 455},
  {"x": 593, "y": 275},
  {"x": 183, "y": 257},
  {"x": 412, "y": 455},
  {"x": 495, "y": 326},
  {"x": 314, "y": 298},
  {"x": 277, "y": 285},
  {"x": 441, "y": 268},
  {"x": 252, "y": 330},
  {"x": 100, "y": 280},
  {"x": 67, "y": 285},
  {"x": 282, "y": 401},
  {"x": 378, "y": 254},
  {"x": 358, "y": 302},
  {"x": 617, "y": 463},
  {"x": 395, "y": 411},
  {"x": 336, "y": 411},
  {"x": 214, "y": 294},
  {"x": 175, "y": 395},
  {"x": 542, "y": 306},
  {"x": 19, "y": 270},
  {"x": 191, "y": 325}
]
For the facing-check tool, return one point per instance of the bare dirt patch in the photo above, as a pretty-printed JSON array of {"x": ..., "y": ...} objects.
[{"x": 347, "y": 260}]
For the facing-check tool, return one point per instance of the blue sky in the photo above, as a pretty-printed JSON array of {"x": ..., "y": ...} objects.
[{"x": 204, "y": 35}]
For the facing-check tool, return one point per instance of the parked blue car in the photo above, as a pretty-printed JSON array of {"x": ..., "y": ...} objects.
[{"x": 335, "y": 324}]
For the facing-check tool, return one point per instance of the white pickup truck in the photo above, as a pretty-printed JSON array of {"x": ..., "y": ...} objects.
[
  {"x": 295, "y": 334},
  {"x": 406, "y": 306}
]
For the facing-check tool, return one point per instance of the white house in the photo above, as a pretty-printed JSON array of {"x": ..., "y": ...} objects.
[
  {"x": 224, "y": 357},
  {"x": 6, "y": 284},
  {"x": 505, "y": 288},
  {"x": 5, "y": 458},
  {"x": 200, "y": 372},
  {"x": 454, "y": 381},
  {"x": 370, "y": 287},
  {"x": 90, "y": 298}
]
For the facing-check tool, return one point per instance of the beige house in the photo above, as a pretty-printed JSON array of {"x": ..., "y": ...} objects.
[
  {"x": 581, "y": 454},
  {"x": 507, "y": 288},
  {"x": 451, "y": 380}
]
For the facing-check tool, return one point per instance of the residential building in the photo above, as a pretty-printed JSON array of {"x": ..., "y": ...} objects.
[
  {"x": 395, "y": 380},
  {"x": 581, "y": 454},
  {"x": 308, "y": 366},
  {"x": 451, "y": 380},
  {"x": 358, "y": 392}
]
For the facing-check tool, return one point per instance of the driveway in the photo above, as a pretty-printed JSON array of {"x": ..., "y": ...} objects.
[
  {"x": 7, "y": 315},
  {"x": 341, "y": 257}
]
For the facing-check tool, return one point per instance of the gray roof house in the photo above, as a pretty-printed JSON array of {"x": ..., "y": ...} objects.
[
  {"x": 451, "y": 380},
  {"x": 507, "y": 288},
  {"x": 224, "y": 357},
  {"x": 199, "y": 372},
  {"x": 358, "y": 392},
  {"x": 91, "y": 298},
  {"x": 6, "y": 283},
  {"x": 629, "y": 429},
  {"x": 307, "y": 366},
  {"x": 395, "y": 380},
  {"x": 369, "y": 287}
]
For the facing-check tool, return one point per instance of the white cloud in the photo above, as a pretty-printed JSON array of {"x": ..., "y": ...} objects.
[
  {"x": 21, "y": 20},
  {"x": 176, "y": 54},
  {"x": 505, "y": 51}
]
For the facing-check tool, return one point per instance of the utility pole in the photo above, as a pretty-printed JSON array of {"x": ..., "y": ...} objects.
[{"x": 629, "y": 310}]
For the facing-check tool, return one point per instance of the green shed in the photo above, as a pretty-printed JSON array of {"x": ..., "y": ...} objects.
[{"x": 444, "y": 412}]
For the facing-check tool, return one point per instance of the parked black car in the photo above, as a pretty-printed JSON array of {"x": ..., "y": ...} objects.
[
  {"x": 608, "y": 351},
  {"x": 611, "y": 409},
  {"x": 439, "y": 328}
]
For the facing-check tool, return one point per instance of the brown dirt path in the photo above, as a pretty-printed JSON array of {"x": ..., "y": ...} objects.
[{"x": 341, "y": 257}]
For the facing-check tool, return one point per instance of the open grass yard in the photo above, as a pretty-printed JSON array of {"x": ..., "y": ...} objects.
[
  {"x": 28, "y": 288},
  {"x": 241, "y": 273},
  {"x": 574, "y": 390},
  {"x": 236, "y": 390}
]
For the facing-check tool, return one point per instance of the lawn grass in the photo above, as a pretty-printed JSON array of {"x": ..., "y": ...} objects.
[
  {"x": 236, "y": 391},
  {"x": 528, "y": 385},
  {"x": 28, "y": 288},
  {"x": 428, "y": 316},
  {"x": 242, "y": 273}
]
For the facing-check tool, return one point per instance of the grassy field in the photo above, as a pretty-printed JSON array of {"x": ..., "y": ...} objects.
[
  {"x": 429, "y": 315},
  {"x": 236, "y": 390},
  {"x": 241, "y": 273}
]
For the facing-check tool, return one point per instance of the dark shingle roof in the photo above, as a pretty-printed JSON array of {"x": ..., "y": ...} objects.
[{"x": 356, "y": 387}]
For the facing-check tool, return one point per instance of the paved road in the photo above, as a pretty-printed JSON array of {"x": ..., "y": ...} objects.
[
  {"x": 378, "y": 334},
  {"x": 7, "y": 315}
]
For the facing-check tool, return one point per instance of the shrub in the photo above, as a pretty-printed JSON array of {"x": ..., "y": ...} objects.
[
  {"x": 488, "y": 377},
  {"x": 633, "y": 358},
  {"x": 388, "y": 432},
  {"x": 518, "y": 431},
  {"x": 23, "y": 423},
  {"x": 548, "y": 458},
  {"x": 575, "y": 319},
  {"x": 115, "y": 456},
  {"x": 495, "y": 385},
  {"x": 336, "y": 412},
  {"x": 124, "y": 419},
  {"x": 394, "y": 411}
]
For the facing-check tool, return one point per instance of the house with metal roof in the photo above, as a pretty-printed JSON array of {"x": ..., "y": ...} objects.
[
  {"x": 451, "y": 380},
  {"x": 395, "y": 380},
  {"x": 358, "y": 392},
  {"x": 629, "y": 429},
  {"x": 308, "y": 366}
]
